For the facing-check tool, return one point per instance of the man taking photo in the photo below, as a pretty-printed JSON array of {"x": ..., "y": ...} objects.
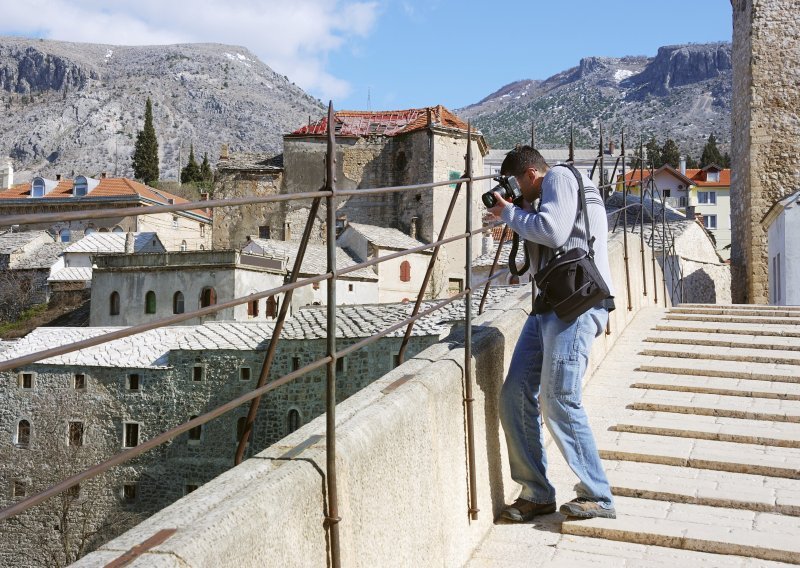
[{"x": 544, "y": 379}]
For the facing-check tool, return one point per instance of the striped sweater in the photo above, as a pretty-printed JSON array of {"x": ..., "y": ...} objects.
[{"x": 556, "y": 224}]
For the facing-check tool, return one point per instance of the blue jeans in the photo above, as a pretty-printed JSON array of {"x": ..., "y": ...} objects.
[{"x": 544, "y": 385}]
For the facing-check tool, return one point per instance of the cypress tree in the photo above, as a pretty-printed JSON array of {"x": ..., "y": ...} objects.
[
  {"x": 653, "y": 153},
  {"x": 670, "y": 154},
  {"x": 191, "y": 172},
  {"x": 711, "y": 154},
  {"x": 206, "y": 174},
  {"x": 145, "y": 154}
]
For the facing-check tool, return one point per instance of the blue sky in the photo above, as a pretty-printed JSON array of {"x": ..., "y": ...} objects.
[{"x": 400, "y": 53}]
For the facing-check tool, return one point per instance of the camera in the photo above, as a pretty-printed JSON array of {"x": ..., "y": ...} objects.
[{"x": 508, "y": 187}]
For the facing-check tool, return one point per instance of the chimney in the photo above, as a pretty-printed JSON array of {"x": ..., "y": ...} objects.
[
  {"x": 413, "y": 230},
  {"x": 204, "y": 197},
  {"x": 6, "y": 174},
  {"x": 611, "y": 147},
  {"x": 223, "y": 152},
  {"x": 129, "y": 242},
  {"x": 58, "y": 177},
  {"x": 103, "y": 175},
  {"x": 683, "y": 165}
]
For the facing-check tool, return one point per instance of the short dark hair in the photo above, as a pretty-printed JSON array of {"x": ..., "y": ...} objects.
[{"x": 520, "y": 159}]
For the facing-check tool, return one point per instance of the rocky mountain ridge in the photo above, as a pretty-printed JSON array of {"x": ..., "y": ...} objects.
[
  {"x": 684, "y": 93},
  {"x": 76, "y": 108}
]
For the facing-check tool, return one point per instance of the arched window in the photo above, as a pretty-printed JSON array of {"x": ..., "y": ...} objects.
[
  {"x": 184, "y": 246},
  {"x": 272, "y": 308},
  {"x": 208, "y": 297},
  {"x": 23, "y": 433},
  {"x": 113, "y": 308},
  {"x": 81, "y": 187},
  {"x": 117, "y": 229},
  {"x": 405, "y": 271},
  {"x": 63, "y": 235},
  {"x": 150, "y": 302},
  {"x": 37, "y": 188},
  {"x": 89, "y": 230},
  {"x": 252, "y": 309},
  {"x": 103, "y": 229},
  {"x": 177, "y": 303},
  {"x": 293, "y": 421}
]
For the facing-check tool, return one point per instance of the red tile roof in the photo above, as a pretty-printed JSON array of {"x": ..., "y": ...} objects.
[
  {"x": 108, "y": 187},
  {"x": 383, "y": 123},
  {"x": 695, "y": 177}
]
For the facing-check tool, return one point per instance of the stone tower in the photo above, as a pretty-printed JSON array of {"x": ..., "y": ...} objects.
[{"x": 765, "y": 125}]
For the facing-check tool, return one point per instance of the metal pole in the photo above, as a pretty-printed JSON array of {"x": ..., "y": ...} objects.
[
  {"x": 641, "y": 213},
  {"x": 468, "y": 398},
  {"x": 333, "y": 518},
  {"x": 571, "y": 144},
  {"x": 653, "y": 233},
  {"x": 494, "y": 266},
  {"x": 663, "y": 248},
  {"x": 624, "y": 229}
]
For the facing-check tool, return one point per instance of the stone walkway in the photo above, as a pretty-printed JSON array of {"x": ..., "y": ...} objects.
[{"x": 696, "y": 411}]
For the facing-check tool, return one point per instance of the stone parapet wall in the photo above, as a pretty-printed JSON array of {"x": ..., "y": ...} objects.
[
  {"x": 766, "y": 133},
  {"x": 401, "y": 464}
]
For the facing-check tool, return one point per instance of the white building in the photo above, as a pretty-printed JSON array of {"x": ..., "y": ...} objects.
[{"x": 782, "y": 223}]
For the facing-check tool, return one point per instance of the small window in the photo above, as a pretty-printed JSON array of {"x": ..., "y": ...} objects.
[
  {"x": 405, "y": 271},
  {"x": 252, "y": 309},
  {"x": 129, "y": 491},
  {"x": 244, "y": 373},
  {"x": 455, "y": 286},
  {"x": 150, "y": 302},
  {"x": 202, "y": 230},
  {"x": 707, "y": 197},
  {"x": 23, "y": 433},
  {"x": 395, "y": 360},
  {"x": 340, "y": 366},
  {"x": 293, "y": 420},
  {"x": 263, "y": 232},
  {"x": 26, "y": 380},
  {"x": 76, "y": 433},
  {"x": 191, "y": 487},
  {"x": 195, "y": 433},
  {"x": 63, "y": 235},
  {"x": 198, "y": 373},
  {"x": 79, "y": 381},
  {"x": 89, "y": 231},
  {"x": 118, "y": 230},
  {"x": 315, "y": 285},
  {"x": 134, "y": 382},
  {"x": 130, "y": 436},
  {"x": 349, "y": 287},
  {"x": 73, "y": 491},
  {"x": 174, "y": 221},
  {"x": 208, "y": 297},
  {"x": 113, "y": 307},
  {"x": 272, "y": 308},
  {"x": 295, "y": 363},
  {"x": 19, "y": 488},
  {"x": 710, "y": 221},
  {"x": 81, "y": 187},
  {"x": 177, "y": 303},
  {"x": 667, "y": 193},
  {"x": 37, "y": 189},
  {"x": 184, "y": 246}
]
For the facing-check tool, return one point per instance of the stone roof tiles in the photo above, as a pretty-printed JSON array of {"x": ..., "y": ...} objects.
[
  {"x": 383, "y": 123},
  {"x": 72, "y": 274},
  {"x": 111, "y": 243},
  {"x": 386, "y": 237},
  {"x": 315, "y": 260}
]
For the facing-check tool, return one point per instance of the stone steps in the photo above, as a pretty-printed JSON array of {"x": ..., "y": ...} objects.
[
  {"x": 763, "y": 330},
  {"x": 708, "y": 427},
  {"x": 704, "y": 454},
  {"x": 718, "y": 385},
  {"x": 759, "y": 307},
  {"x": 729, "y": 369},
  {"x": 726, "y": 310},
  {"x": 715, "y": 405},
  {"x": 765, "y": 319},
  {"x": 696, "y": 527},
  {"x": 704, "y": 487},
  {"x": 731, "y": 340},
  {"x": 710, "y": 353}
]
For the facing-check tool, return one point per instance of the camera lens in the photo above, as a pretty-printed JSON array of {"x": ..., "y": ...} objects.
[{"x": 489, "y": 199}]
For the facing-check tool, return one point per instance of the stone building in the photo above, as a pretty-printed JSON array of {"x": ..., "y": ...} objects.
[
  {"x": 246, "y": 175},
  {"x": 356, "y": 287},
  {"x": 66, "y": 413},
  {"x": 129, "y": 289},
  {"x": 181, "y": 230},
  {"x": 765, "y": 149}
]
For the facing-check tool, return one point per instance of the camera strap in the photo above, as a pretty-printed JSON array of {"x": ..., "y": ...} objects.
[{"x": 512, "y": 257}]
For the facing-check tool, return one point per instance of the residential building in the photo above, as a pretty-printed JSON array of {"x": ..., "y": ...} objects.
[
  {"x": 782, "y": 225},
  {"x": 181, "y": 230}
]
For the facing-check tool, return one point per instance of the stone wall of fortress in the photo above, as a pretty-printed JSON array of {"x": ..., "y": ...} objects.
[{"x": 765, "y": 131}]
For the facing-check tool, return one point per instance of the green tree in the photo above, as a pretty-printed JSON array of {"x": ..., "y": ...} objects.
[
  {"x": 653, "y": 153},
  {"x": 206, "y": 174},
  {"x": 670, "y": 154},
  {"x": 691, "y": 163},
  {"x": 191, "y": 172},
  {"x": 711, "y": 154},
  {"x": 145, "y": 153},
  {"x": 726, "y": 160}
]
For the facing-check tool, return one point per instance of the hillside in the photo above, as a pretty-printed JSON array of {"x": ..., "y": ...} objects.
[
  {"x": 75, "y": 107},
  {"x": 684, "y": 92}
]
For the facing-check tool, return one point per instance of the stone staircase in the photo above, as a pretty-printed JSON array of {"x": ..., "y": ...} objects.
[{"x": 705, "y": 455}]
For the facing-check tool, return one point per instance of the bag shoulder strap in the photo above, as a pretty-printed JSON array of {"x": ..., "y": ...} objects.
[{"x": 582, "y": 205}]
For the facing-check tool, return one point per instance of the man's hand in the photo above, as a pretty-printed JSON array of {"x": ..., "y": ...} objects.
[{"x": 501, "y": 204}]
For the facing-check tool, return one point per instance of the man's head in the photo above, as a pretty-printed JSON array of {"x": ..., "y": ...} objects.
[{"x": 528, "y": 166}]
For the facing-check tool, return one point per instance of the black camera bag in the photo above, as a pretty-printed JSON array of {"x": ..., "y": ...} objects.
[{"x": 570, "y": 283}]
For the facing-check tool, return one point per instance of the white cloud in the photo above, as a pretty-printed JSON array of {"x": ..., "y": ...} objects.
[{"x": 294, "y": 37}]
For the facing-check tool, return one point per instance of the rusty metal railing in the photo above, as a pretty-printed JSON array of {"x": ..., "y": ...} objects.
[{"x": 254, "y": 398}]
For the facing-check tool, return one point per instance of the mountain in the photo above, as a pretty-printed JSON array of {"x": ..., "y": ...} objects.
[
  {"x": 684, "y": 93},
  {"x": 76, "y": 107}
]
